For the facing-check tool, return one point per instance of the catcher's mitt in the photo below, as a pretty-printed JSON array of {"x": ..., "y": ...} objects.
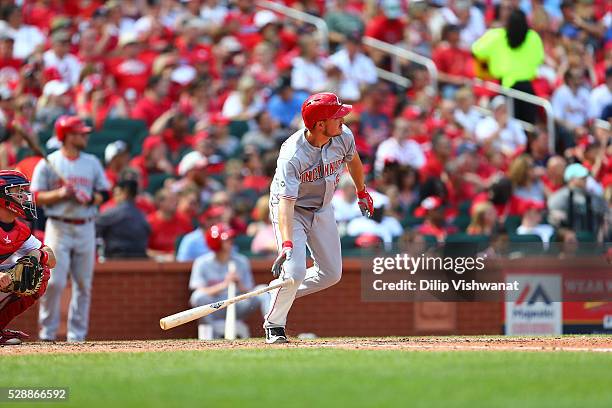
[{"x": 26, "y": 276}]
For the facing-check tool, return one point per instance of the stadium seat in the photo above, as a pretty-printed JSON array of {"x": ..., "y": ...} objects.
[
  {"x": 156, "y": 181},
  {"x": 585, "y": 236},
  {"x": 347, "y": 242},
  {"x": 525, "y": 238},
  {"x": 243, "y": 242},
  {"x": 462, "y": 221},
  {"x": 238, "y": 128},
  {"x": 464, "y": 208},
  {"x": 512, "y": 223},
  {"x": 411, "y": 221}
]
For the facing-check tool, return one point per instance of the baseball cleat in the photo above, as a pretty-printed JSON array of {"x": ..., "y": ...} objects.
[
  {"x": 276, "y": 335},
  {"x": 12, "y": 337}
]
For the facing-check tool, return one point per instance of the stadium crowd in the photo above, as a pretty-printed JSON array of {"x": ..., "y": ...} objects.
[{"x": 218, "y": 86}]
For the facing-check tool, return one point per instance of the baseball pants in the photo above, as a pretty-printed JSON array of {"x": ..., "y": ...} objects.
[
  {"x": 74, "y": 248},
  {"x": 318, "y": 231}
]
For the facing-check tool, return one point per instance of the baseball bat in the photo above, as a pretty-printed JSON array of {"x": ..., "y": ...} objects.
[
  {"x": 230, "y": 316},
  {"x": 38, "y": 151},
  {"x": 189, "y": 315}
]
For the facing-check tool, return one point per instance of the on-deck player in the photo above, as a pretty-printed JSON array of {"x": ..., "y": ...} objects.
[
  {"x": 17, "y": 241},
  {"x": 307, "y": 173},
  {"x": 71, "y": 209}
]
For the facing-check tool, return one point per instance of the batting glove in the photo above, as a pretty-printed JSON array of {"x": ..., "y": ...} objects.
[
  {"x": 366, "y": 204},
  {"x": 284, "y": 255},
  {"x": 82, "y": 197}
]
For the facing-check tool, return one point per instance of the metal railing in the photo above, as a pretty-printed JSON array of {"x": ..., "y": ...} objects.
[{"x": 407, "y": 55}]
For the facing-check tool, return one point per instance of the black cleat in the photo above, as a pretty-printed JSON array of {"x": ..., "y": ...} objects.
[{"x": 276, "y": 335}]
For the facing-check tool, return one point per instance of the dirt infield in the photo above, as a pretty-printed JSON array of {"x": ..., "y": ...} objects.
[{"x": 465, "y": 343}]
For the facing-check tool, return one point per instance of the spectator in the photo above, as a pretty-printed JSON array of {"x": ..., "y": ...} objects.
[
  {"x": 97, "y": 101},
  {"x": 466, "y": 115},
  {"x": 173, "y": 127},
  {"x": 9, "y": 64},
  {"x": 513, "y": 55},
  {"x": 573, "y": 206},
  {"x": 377, "y": 108},
  {"x": 166, "y": 227},
  {"x": 263, "y": 69},
  {"x": 453, "y": 62},
  {"x": 464, "y": 14},
  {"x": 500, "y": 194},
  {"x": 117, "y": 158},
  {"x": 343, "y": 20},
  {"x": 123, "y": 228},
  {"x": 526, "y": 179},
  {"x": 484, "y": 219},
  {"x": 59, "y": 57},
  {"x": 538, "y": 148},
  {"x": 193, "y": 244},
  {"x": 388, "y": 25},
  {"x": 437, "y": 158},
  {"x": 153, "y": 159},
  {"x": 266, "y": 136},
  {"x": 358, "y": 70},
  {"x": 28, "y": 38},
  {"x": 245, "y": 102},
  {"x": 193, "y": 170},
  {"x": 553, "y": 179},
  {"x": 531, "y": 222},
  {"x": 400, "y": 148},
  {"x": 308, "y": 73},
  {"x": 261, "y": 229},
  {"x": 380, "y": 224},
  {"x": 571, "y": 103},
  {"x": 154, "y": 102},
  {"x": 218, "y": 132},
  {"x": 432, "y": 210},
  {"x": 212, "y": 273},
  {"x": 601, "y": 97},
  {"x": 131, "y": 69},
  {"x": 54, "y": 102},
  {"x": 500, "y": 133},
  {"x": 285, "y": 106}
]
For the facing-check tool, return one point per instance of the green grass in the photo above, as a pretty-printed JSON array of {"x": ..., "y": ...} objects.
[{"x": 318, "y": 377}]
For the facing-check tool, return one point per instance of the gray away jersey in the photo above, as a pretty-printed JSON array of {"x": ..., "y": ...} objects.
[
  {"x": 85, "y": 173},
  {"x": 307, "y": 174}
]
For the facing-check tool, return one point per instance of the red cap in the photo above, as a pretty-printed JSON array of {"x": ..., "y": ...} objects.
[
  {"x": 367, "y": 240},
  {"x": 69, "y": 124},
  {"x": 218, "y": 233},
  {"x": 412, "y": 112},
  {"x": 323, "y": 106},
  {"x": 532, "y": 205},
  {"x": 428, "y": 204},
  {"x": 217, "y": 119}
]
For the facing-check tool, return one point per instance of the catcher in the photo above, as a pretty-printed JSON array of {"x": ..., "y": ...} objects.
[{"x": 24, "y": 261}]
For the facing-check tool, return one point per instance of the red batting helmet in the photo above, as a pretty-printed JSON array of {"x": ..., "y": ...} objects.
[
  {"x": 69, "y": 124},
  {"x": 217, "y": 234},
  {"x": 323, "y": 106}
]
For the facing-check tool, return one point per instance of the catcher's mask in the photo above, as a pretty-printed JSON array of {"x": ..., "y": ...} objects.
[{"x": 15, "y": 194}]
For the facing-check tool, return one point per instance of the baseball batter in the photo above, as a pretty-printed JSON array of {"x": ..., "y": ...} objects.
[
  {"x": 24, "y": 260},
  {"x": 308, "y": 170},
  {"x": 70, "y": 206}
]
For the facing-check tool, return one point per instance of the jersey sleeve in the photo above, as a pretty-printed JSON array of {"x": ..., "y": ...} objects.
[
  {"x": 287, "y": 180},
  {"x": 197, "y": 278},
  {"x": 100, "y": 182},
  {"x": 40, "y": 177},
  {"x": 349, "y": 142},
  {"x": 30, "y": 244}
]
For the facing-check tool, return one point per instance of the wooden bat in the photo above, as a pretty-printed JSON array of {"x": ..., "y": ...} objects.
[
  {"x": 230, "y": 316},
  {"x": 38, "y": 151},
  {"x": 189, "y": 315}
]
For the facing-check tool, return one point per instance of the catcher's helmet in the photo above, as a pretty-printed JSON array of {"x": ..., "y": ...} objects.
[
  {"x": 69, "y": 124},
  {"x": 20, "y": 201},
  {"x": 323, "y": 106},
  {"x": 217, "y": 234}
]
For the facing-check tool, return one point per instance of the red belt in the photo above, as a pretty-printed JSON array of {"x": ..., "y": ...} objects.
[{"x": 75, "y": 221}]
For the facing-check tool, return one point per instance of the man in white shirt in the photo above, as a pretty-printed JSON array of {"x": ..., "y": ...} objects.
[
  {"x": 60, "y": 58},
  {"x": 468, "y": 17},
  {"x": 308, "y": 73},
  {"x": 27, "y": 38},
  {"x": 358, "y": 70},
  {"x": 501, "y": 132},
  {"x": 466, "y": 114},
  {"x": 601, "y": 97},
  {"x": 571, "y": 101},
  {"x": 399, "y": 148}
]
